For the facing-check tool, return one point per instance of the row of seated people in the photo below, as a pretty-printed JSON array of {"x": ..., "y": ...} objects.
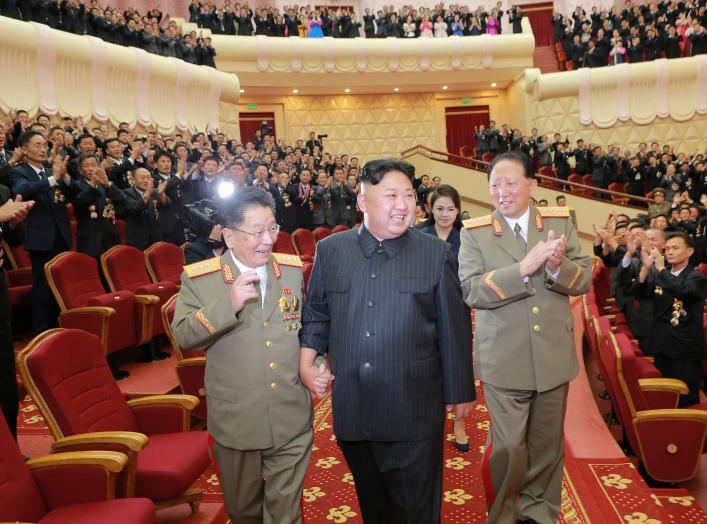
[
  {"x": 317, "y": 22},
  {"x": 637, "y": 33},
  {"x": 623, "y": 170}
]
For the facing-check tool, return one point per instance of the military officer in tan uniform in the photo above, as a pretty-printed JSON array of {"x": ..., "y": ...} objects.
[
  {"x": 244, "y": 308},
  {"x": 517, "y": 267}
]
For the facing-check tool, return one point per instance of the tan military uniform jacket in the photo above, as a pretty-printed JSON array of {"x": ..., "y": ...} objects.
[
  {"x": 254, "y": 394},
  {"x": 524, "y": 331}
]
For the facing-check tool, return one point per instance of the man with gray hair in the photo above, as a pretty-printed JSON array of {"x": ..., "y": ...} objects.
[{"x": 243, "y": 308}]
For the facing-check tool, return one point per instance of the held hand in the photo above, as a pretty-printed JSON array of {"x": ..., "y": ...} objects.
[
  {"x": 243, "y": 290},
  {"x": 15, "y": 211},
  {"x": 316, "y": 379}
]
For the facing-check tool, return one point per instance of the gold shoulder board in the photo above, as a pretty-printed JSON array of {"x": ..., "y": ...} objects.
[
  {"x": 203, "y": 268},
  {"x": 471, "y": 223},
  {"x": 288, "y": 260},
  {"x": 554, "y": 212}
]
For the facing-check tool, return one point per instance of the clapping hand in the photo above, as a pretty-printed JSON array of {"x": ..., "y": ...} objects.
[
  {"x": 59, "y": 171},
  {"x": 15, "y": 211},
  {"x": 554, "y": 259},
  {"x": 544, "y": 252},
  {"x": 658, "y": 259}
]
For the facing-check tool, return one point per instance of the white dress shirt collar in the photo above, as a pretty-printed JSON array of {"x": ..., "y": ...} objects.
[{"x": 522, "y": 221}]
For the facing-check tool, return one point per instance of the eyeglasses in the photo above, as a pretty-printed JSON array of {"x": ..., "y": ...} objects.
[{"x": 271, "y": 232}]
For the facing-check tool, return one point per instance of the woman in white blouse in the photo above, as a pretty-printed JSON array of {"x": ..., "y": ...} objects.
[{"x": 440, "y": 28}]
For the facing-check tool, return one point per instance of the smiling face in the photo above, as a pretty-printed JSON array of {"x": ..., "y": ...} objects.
[
  {"x": 253, "y": 251},
  {"x": 389, "y": 206},
  {"x": 510, "y": 189},
  {"x": 445, "y": 212}
]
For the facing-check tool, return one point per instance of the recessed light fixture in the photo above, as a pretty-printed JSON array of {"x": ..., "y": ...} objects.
[
  {"x": 347, "y": 90},
  {"x": 396, "y": 89},
  {"x": 295, "y": 91},
  {"x": 242, "y": 90},
  {"x": 445, "y": 88},
  {"x": 493, "y": 84}
]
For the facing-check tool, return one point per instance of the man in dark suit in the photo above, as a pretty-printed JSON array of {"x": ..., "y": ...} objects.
[
  {"x": 312, "y": 143},
  {"x": 142, "y": 227},
  {"x": 197, "y": 187},
  {"x": 172, "y": 210},
  {"x": 678, "y": 292},
  {"x": 47, "y": 225},
  {"x": 96, "y": 231},
  {"x": 12, "y": 213},
  {"x": 303, "y": 193},
  {"x": 385, "y": 302},
  {"x": 343, "y": 200}
]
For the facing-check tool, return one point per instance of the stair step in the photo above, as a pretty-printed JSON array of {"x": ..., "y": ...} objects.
[{"x": 682, "y": 506}]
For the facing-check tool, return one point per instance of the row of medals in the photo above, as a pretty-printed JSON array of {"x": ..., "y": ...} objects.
[
  {"x": 289, "y": 310},
  {"x": 678, "y": 309}
]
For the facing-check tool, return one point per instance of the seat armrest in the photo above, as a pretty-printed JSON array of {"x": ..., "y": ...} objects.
[
  {"x": 19, "y": 277},
  {"x": 663, "y": 384},
  {"x": 78, "y": 476},
  {"x": 192, "y": 361},
  {"x": 163, "y": 413},
  {"x": 146, "y": 316}
]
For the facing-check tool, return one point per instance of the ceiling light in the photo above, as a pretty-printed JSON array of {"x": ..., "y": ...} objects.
[
  {"x": 493, "y": 84},
  {"x": 396, "y": 89},
  {"x": 295, "y": 91},
  {"x": 445, "y": 88},
  {"x": 242, "y": 90},
  {"x": 347, "y": 90}
]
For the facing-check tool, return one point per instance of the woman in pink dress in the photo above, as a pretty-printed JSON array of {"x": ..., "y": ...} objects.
[
  {"x": 426, "y": 28},
  {"x": 492, "y": 23}
]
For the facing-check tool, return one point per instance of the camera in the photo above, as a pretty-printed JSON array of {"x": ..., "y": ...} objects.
[
  {"x": 319, "y": 137},
  {"x": 201, "y": 217}
]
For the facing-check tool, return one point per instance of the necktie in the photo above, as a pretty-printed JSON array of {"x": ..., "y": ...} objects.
[
  {"x": 42, "y": 175},
  {"x": 519, "y": 237}
]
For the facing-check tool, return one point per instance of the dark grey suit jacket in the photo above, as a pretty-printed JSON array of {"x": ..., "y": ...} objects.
[{"x": 391, "y": 317}]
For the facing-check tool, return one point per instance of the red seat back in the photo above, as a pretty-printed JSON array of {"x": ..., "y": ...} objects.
[
  {"x": 164, "y": 262},
  {"x": 320, "y": 233},
  {"x": 20, "y": 498},
  {"x": 304, "y": 242},
  {"x": 17, "y": 256},
  {"x": 67, "y": 375},
  {"x": 578, "y": 180},
  {"x": 339, "y": 228},
  {"x": 283, "y": 244},
  {"x": 74, "y": 279},
  {"x": 487, "y": 157},
  {"x": 124, "y": 268}
]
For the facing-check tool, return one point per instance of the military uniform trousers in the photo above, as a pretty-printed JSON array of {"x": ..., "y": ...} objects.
[
  {"x": 265, "y": 486},
  {"x": 524, "y": 454}
]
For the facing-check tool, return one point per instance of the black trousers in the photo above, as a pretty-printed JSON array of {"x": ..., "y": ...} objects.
[
  {"x": 689, "y": 371},
  {"x": 45, "y": 311},
  {"x": 397, "y": 482},
  {"x": 9, "y": 397}
]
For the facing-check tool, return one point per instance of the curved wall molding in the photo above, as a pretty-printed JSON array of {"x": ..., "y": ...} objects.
[{"x": 59, "y": 73}]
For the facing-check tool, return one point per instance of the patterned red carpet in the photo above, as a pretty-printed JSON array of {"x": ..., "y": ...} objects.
[{"x": 593, "y": 491}]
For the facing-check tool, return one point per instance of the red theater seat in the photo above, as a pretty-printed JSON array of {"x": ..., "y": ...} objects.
[
  {"x": 66, "y": 374},
  {"x": 578, "y": 190},
  {"x": 619, "y": 188},
  {"x": 124, "y": 269},
  {"x": 191, "y": 363},
  {"x": 305, "y": 244},
  {"x": 339, "y": 228},
  {"x": 487, "y": 157},
  {"x": 284, "y": 244},
  {"x": 321, "y": 233},
  {"x": 65, "y": 488},
  {"x": 165, "y": 262},
  {"x": 668, "y": 442}
]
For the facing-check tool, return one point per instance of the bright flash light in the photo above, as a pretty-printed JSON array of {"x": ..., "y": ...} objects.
[{"x": 225, "y": 189}]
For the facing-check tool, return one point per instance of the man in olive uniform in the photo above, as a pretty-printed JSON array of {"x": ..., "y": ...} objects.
[
  {"x": 517, "y": 267},
  {"x": 243, "y": 308}
]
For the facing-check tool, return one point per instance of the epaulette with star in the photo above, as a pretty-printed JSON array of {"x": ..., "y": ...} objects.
[
  {"x": 203, "y": 267},
  {"x": 554, "y": 212},
  {"x": 288, "y": 260},
  {"x": 471, "y": 223}
]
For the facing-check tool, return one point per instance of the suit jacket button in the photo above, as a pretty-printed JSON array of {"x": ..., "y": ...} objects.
[
  {"x": 274, "y": 386},
  {"x": 536, "y": 328},
  {"x": 535, "y": 310},
  {"x": 367, "y": 365},
  {"x": 268, "y": 343},
  {"x": 266, "y": 323}
]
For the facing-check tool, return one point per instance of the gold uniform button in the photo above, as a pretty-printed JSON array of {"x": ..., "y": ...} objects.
[
  {"x": 274, "y": 386},
  {"x": 535, "y": 310},
  {"x": 266, "y": 323},
  {"x": 273, "y": 365},
  {"x": 268, "y": 343},
  {"x": 536, "y": 328},
  {"x": 532, "y": 292}
]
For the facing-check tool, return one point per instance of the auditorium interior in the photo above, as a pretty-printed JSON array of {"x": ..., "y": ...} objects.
[{"x": 631, "y": 455}]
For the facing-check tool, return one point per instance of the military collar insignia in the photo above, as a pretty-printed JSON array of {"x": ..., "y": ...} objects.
[
  {"x": 276, "y": 269},
  {"x": 497, "y": 227},
  {"x": 227, "y": 274}
]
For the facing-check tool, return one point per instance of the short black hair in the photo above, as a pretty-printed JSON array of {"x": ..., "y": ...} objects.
[
  {"x": 122, "y": 132},
  {"x": 681, "y": 234},
  {"x": 85, "y": 156},
  {"x": 232, "y": 210},
  {"x": 26, "y": 136},
  {"x": 374, "y": 170},
  {"x": 516, "y": 157},
  {"x": 84, "y": 137},
  {"x": 110, "y": 141},
  {"x": 211, "y": 158},
  {"x": 160, "y": 153}
]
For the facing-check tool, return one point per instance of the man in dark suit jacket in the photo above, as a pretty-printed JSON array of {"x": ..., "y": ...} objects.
[
  {"x": 385, "y": 303},
  {"x": 172, "y": 210},
  {"x": 142, "y": 227},
  {"x": 47, "y": 225},
  {"x": 96, "y": 231},
  {"x": 343, "y": 200},
  {"x": 303, "y": 193},
  {"x": 284, "y": 198},
  {"x": 312, "y": 143}
]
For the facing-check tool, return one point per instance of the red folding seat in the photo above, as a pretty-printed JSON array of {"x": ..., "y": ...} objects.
[
  {"x": 588, "y": 180},
  {"x": 124, "y": 269},
  {"x": 66, "y": 375},
  {"x": 577, "y": 190},
  {"x": 65, "y": 488},
  {"x": 120, "y": 319},
  {"x": 165, "y": 262},
  {"x": 191, "y": 363},
  {"x": 320, "y": 233},
  {"x": 550, "y": 173},
  {"x": 284, "y": 244},
  {"x": 618, "y": 188},
  {"x": 487, "y": 157},
  {"x": 339, "y": 228},
  {"x": 466, "y": 151},
  {"x": 668, "y": 442},
  {"x": 304, "y": 243}
]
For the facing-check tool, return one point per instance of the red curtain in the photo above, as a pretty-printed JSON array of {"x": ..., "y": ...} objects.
[
  {"x": 460, "y": 127},
  {"x": 249, "y": 123},
  {"x": 540, "y": 18}
]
